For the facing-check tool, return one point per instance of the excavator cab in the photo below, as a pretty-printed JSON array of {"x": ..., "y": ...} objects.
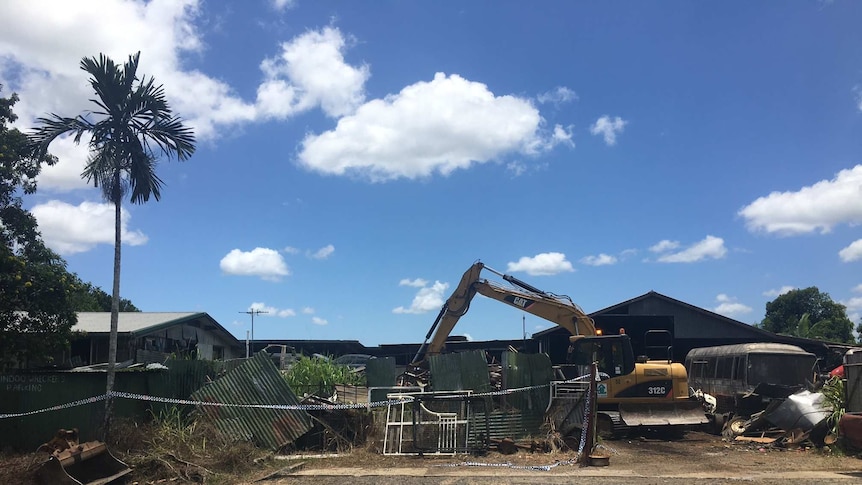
[{"x": 612, "y": 353}]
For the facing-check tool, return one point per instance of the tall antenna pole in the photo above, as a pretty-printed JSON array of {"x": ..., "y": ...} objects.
[{"x": 253, "y": 313}]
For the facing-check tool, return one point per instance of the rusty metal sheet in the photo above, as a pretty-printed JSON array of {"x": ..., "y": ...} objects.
[{"x": 257, "y": 381}]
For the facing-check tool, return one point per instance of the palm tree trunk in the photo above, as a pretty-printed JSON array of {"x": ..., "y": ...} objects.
[{"x": 115, "y": 318}]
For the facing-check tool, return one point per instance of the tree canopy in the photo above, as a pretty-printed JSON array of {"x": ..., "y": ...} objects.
[
  {"x": 36, "y": 309},
  {"x": 39, "y": 297},
  {"x": 90, "y": 298},
  {"x": 808, "y": 313}
]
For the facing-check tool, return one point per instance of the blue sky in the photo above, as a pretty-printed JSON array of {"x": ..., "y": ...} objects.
[{"x": 355, "y": 158}]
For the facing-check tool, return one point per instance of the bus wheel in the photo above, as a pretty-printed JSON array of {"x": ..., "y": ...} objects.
[{"x": 734, "y": 427}]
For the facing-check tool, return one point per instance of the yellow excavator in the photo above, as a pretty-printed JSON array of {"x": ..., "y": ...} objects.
[{"x": 631, "y": 392}]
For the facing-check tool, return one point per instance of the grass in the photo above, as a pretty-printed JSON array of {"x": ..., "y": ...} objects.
[
  {"x": 319, "y": 375},
  {"x": 177, "y": 446}
]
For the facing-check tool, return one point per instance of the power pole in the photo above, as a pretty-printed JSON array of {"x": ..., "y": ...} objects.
[{"x": 253, "y": 313}]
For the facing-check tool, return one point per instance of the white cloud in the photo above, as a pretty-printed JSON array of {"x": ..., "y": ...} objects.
[
  {"x": 854, "y": 305},
  {"x": 319, "y": 321},
  {"x": 426, "y": 299},
  {"x": 324, "y": 252},
  {"x": 559, "y": 95},
  {"x": 264, "y": 262},
  {"x": 608, "y": 128},
  {"x": 70, "y": 229},
  {"x": 543, "y": 264},
  {"x": 290, "y": 250},
  {"x": 600, "y": 260},
  {"x": 516, "y": 168},
  {"x": 66, "y": 174},
  {"x": 857, "y": 92},
  {"x": 778, "y": 292},
  {"x": 311, "y": 72},
  {"x": 271, "y": 311},
  {"x": 853, "y": 252},
  {"x": 308, "y": 310},
  {"x": 282, "y": 5},
  {"x": 417, "y": 283},
  {"x": 821, "y": 206},
  {"x": 710, "y": 248},
  {"x": 729, "y": 307},
  {"x": 664, "y": 245},
  {"x": 562, "y": 136},
  {"x": 440, "y": 126},
  {"x": 41, "y": 46}
]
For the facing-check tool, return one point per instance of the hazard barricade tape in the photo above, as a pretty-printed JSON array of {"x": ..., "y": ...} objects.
[{"x": 286, "y": 407}]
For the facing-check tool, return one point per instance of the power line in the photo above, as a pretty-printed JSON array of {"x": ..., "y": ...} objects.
[{"x": 253, "y": 313}]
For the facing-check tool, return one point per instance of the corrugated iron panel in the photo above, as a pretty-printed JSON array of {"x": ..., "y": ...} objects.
[
  {"x": 515, "y": 425},
  {"x": 526, "y": 370},
  {"x": 380, "y": 372},
  {"x": 30, "y": 391},
  {"x": 460, "y": 371},
  {"x": 180, "y": 380},
  {"x": 853, "y": 374},
  {"x": 257, "y": 381}
]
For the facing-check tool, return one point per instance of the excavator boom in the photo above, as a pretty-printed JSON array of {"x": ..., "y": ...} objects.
[{"x": 558, "y": 309}]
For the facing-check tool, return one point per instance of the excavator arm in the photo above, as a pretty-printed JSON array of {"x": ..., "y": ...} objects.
[{"x": 558, "y": 309}]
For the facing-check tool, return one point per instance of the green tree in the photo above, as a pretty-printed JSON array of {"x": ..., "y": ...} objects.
[
  {"x": 131, "y": 127},
  {"x": 808, "y": 313},
  {"x": 90, "y": 298},
  {"x": 36, "y": 310}
]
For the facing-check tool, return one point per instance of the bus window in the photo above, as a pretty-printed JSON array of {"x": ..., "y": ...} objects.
[
  {"x": 739, "y": 371},
  {"x": 710, "y": 368}
]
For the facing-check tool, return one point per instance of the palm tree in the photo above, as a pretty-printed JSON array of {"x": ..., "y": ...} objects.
[{"x": 130, "y": 128}]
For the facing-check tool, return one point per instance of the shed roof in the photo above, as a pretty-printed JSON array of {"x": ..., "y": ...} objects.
[
  {"x": 613, "y": 309},
  {"x": 137, "y": 323}
]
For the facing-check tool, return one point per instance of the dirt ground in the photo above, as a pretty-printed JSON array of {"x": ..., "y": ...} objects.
[{"x": 697, "y": 457}]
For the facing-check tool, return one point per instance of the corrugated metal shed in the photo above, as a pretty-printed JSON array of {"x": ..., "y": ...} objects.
[{"x": 257, "y": 381}]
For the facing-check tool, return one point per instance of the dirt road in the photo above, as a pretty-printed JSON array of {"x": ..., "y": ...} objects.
[{"x": 697, "y": 458}]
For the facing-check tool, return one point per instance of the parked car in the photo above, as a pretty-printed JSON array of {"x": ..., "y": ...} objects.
[{"x": 354, "y": 361}]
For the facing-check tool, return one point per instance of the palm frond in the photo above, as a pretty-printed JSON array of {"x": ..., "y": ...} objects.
[
  {"x": 101, "y": 169},
  {"x": 133, "y": 125},
  {"x": 53, "y": 127},
  {"x": 144, "y": 181}
]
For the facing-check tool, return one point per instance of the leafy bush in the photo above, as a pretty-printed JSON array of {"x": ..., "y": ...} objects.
[
  {"x": 319, "y": 375},
  {"x": 833, "y": 394}
]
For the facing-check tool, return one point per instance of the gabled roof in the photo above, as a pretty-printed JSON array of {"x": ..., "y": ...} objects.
[
  {"x": 611, "y": 310},
  {"x": 137, "y": 323}
]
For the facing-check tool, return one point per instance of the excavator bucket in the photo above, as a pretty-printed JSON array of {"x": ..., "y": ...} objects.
[
  {"x": 89, "y": 463},
  {"x": 687, "y": 413}
]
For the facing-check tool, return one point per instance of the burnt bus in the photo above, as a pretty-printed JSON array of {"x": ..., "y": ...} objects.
[{"x": 744, "y": 378}]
